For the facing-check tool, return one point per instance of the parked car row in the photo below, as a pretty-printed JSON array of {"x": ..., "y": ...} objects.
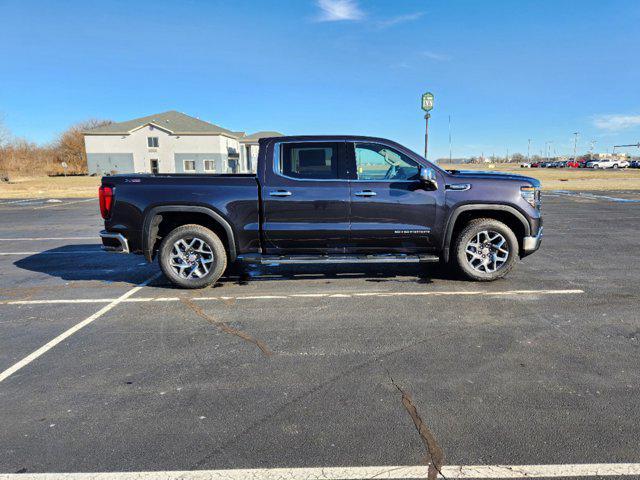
[{"x": 595, "y": 164}]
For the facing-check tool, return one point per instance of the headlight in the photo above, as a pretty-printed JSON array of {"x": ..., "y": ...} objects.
[{"x": 531, "y": 196}]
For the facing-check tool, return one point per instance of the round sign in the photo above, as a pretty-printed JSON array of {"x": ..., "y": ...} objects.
[
  {"x": 64, "y": 164},
  {"x": 427, "y": 101}
]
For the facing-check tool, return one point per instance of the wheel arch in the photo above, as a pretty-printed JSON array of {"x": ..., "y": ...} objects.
[
  {"x": 163, "y": 218},
  {"x": 461, "y": 215}
]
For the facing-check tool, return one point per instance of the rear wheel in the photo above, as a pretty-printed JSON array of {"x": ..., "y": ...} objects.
[
  {"x": 192, "y": 256},
  {"x": 485, "y": 250}
]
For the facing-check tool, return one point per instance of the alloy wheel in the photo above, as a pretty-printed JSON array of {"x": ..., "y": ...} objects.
[
  {"x": 191, "y": 257},
  {"x": 487, "y": 251}
]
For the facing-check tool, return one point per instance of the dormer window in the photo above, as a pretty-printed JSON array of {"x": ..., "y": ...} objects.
[{"x": 152, "y": 142}]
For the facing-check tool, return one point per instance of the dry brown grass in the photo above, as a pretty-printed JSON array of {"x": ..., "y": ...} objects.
[
  {"x": 51, "y": 187},
  {"x": 568, "y": 178},
  {"x": 552, "y": 179}
]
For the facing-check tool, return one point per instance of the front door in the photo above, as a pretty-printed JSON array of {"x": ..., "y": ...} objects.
[
  {"x": 154, "y": 166},
  {"x": 391, "y": 211},
  {"x": 306, "y": 199}
]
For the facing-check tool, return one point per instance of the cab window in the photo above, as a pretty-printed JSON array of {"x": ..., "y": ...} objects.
[
  {"x": 379, "y": 162},
  {"x": 309, "y": 161}
]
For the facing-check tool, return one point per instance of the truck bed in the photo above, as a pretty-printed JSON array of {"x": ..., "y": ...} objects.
[{"x": 232, "y": 196}]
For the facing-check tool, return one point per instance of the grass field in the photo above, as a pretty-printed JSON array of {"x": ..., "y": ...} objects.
[
  {"x": 552, "y": 179},
  {"x": 50, "y": 187}
]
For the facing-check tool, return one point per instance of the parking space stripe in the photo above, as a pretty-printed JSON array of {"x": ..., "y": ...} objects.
[
  {"x": 300, "y": 295},
  {"x": 37, "y": 239},
  {"x": 356, "y": 473},
  {"x": 62, "y": 204},
  {"x": 66, "y": 334},
  {"x": 68, "y": 252}
]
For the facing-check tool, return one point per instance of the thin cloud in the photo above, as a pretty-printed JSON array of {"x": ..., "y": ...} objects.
[
  {"x": 338, "y": 10},
  {"x": 614, "y": 123},
  {"x": 439, "y": 57},
  {"x": 408, "y": 17}
]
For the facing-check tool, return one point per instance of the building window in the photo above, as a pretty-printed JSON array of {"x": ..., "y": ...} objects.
[
  {"x": 209, "y": 166},
  {"x": 189, "y": 165},
  {"x": 152, "y": 142}
]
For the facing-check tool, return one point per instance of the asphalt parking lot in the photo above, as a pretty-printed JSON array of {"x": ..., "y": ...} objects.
[{"x": 304, "y": 367}]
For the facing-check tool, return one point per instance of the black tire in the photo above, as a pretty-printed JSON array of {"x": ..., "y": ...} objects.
[
  {"x": 473, "y": 229},
  {"x": 217, "y": 257}
]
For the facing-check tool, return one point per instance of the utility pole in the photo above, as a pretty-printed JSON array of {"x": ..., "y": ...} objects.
[
  {"x": 528, "y": 150},
  {"x": 546, "y": 150},
  {"x": 449, "y": 138},
  {"x": 575, "y": 144}
]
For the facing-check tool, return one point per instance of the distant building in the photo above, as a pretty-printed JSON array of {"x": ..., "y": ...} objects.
[
  {"x": 170, "y": 142},
  {"x": 249, "y": 148}
]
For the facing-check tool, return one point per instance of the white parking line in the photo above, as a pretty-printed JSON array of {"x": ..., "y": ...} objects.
[
  {"x": 299, "y": 295},
  {"x": 65, "y": 203},
  {"x": 37, "y": 239},
  {"x": 593, "y": 196},
  {"x": 68, "y": 252},
  {"x": 354, "y": 473},
  {"x": 66, "y": 334}
]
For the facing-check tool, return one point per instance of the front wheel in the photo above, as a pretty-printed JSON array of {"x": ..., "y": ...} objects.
[
  {"x": 192, "y": 256},
  {"x": 485, "y": 250}
]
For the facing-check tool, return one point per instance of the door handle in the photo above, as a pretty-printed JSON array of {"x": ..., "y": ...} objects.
[
  {"x": 280, "y": 193},
  {"x": 365, "y": 193}
]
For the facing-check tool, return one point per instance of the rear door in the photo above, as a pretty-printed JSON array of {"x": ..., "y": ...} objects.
[
  {"x": 306, "y": 198},
  {"x": 391, "y": 211}
]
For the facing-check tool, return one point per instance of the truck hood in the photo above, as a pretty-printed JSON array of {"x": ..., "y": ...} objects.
[{"x": 483, "y": 175}]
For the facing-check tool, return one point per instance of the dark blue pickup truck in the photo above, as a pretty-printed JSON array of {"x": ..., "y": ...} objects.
[{"x": 330, "y": 199}]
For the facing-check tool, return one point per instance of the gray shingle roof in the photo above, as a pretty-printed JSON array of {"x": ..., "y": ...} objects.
[
  {"x": 254, "y": 137},
  {"x": 176, "y": 122}
]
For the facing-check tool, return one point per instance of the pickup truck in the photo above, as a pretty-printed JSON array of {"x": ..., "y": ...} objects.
[
  {"x": 608, "y": 163},
  {"x": 324, "y": 199}
]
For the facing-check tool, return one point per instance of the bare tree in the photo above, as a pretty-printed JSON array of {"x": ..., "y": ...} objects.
[
  {"x": 5, "y": 134},
  {"x": 70, "y": 145},
  {"x": 518, "y": 158}
]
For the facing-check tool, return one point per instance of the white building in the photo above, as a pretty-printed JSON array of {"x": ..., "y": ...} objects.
[
  {"x": 170, "y": 142},
  {"x": 249, "y": 148}
]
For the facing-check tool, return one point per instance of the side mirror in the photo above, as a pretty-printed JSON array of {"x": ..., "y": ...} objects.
[{"x": 428, "y": 177}]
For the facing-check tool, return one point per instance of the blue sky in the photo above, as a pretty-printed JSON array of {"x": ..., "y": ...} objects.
[{"x": 505, "y": 71}]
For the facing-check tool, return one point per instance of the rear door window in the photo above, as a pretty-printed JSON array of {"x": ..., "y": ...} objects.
[{"x": 310, "y": 161}]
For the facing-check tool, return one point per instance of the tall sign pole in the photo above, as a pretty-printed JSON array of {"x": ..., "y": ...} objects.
[{"x": 427, "y": 106}]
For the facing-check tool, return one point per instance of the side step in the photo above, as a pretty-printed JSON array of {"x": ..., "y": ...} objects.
[{"x": 337, "y": 258}]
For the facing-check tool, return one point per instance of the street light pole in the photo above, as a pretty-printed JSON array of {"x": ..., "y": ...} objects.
[
  {"x": 547, "y": 146},
  {"x": 449, "y": 138},
  {"x": 528, "y": 150},
  {"x": 575, "y": 145},
  {"x": 426, "y": 134}
]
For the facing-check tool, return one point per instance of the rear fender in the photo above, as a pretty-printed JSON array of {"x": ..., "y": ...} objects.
[{"x": 153, "y": 218}]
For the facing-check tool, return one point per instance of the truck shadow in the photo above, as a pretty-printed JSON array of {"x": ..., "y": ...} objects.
[{"x": 87, "y": 262}]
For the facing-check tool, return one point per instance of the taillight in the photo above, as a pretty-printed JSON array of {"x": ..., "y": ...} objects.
[{"x": 105, "y": 195}]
